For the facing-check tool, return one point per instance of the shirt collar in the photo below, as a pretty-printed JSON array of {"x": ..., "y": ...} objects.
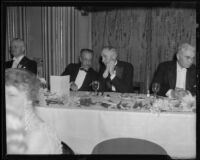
[
  {"x": 116, "y": 63},
  {"x": 180, "y": 68},
  {"x": 18, "y": 58}
]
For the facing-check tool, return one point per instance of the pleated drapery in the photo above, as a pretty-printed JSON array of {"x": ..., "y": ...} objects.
[
  {"x": 16, "y": 26},
  {"x": 59, "y": 36}
]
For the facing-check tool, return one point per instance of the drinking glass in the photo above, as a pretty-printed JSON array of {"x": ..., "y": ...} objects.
[
  {"x": 95, "y": 86},
  {"x": 155, "y": 88},
  {"x": 73, "y": 86}
]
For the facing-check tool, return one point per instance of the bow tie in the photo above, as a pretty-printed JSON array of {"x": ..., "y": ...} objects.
[{"x": 83, "y": 69}]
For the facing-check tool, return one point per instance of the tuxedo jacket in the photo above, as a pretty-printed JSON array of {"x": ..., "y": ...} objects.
[
  {"x": 25, "y": 63},
  {"x": 123, "y": 81},
  {"x": 166, "y": 76},
  {"x": 73, "y": 69}
]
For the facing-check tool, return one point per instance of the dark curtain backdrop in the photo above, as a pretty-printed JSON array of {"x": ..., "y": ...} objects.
[{"x": 143, "y": 36}]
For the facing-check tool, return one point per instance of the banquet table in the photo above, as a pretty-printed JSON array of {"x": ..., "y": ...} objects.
[{"x": 83, "y": 127}]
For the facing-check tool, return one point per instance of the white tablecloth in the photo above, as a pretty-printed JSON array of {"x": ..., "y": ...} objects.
[{"x": 82, "y": 128}]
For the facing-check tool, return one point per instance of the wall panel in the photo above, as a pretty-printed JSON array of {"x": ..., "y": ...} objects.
[{"x": 143, "y": 36}]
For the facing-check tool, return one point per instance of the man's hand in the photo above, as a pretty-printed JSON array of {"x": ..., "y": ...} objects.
[
  {"x": 178, "y": 93},
  {"x": 181, "y": 92},
  {"x": 73, "y": 86},
  {"x": 105, "y": 74},
  {"x": 111, "y": 67}
]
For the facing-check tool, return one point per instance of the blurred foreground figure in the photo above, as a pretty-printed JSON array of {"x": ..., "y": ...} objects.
[
  {"x": 178, "y": 78},
  {"x": 26, "y": 132}
]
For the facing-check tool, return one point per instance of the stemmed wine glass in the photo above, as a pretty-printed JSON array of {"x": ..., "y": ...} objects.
[
  {"x": 95, "y": 86},
  {"x": 155, "y": 88}
]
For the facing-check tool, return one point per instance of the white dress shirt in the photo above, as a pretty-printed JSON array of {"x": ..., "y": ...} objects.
[
  {"x": 80, "y": 78},
  {"x": 16, "y": 61},
  {"x": 180, "y": 78}
]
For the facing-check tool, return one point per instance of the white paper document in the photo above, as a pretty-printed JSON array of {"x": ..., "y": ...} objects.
[
  {"x": 59, "y": 85},
  {"x": 80, "y": 78}
]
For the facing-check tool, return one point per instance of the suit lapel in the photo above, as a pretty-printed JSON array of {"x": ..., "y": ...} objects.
[
  {"x": 172, "y": 75},
  {"x": 119, "y": 70},
  {"x": 75, "y": 72},
  {"x": 86, "y": 78},
  {"x": 189, "y": 82},
  {"x": 22, "y": 63}
]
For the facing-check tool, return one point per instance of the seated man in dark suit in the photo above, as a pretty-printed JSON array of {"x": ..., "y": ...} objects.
[
  {"x": 81, "y": 74},
  {"x": 177, "y": 77},
  {"x": 19, "y": 59},
  {"x": 115, "y": 75}
]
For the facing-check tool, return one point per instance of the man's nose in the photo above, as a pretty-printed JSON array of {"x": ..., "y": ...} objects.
[{"x": 190, "y": 60}]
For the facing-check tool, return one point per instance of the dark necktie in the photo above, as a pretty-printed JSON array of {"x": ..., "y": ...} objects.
[
  {"x": 108, "y": 83},
  {"x": 83, "y": 69}
]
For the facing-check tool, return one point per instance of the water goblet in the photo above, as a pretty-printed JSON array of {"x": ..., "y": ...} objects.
[
  {"x": 155, "y": 88},
  {"x": 95, "y": 86}
]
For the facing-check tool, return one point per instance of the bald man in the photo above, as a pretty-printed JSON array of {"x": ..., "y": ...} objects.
[
  {"x": 19, "y": 59},
  {"x": 179, "y": 76},
  {"x": 115, "y": 75}
]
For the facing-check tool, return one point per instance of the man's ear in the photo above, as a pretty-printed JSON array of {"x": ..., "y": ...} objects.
[
  {"x": 177, "y": 56},
  {"x": 23, "y": 49}
]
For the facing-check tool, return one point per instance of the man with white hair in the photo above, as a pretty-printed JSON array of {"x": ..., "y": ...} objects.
[
  {"x": 178, "y": 77},
  {"x": 115, "y": 75},
  {"x": 19, "y": 60}
]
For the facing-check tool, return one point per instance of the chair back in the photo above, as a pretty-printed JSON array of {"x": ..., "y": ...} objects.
[
  {"x": 128, "y": 146},
  {"x": 66, "y": 149}
]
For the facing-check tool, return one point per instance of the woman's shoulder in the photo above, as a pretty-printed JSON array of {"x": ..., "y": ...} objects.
[{"x": 43, "y": 140}]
